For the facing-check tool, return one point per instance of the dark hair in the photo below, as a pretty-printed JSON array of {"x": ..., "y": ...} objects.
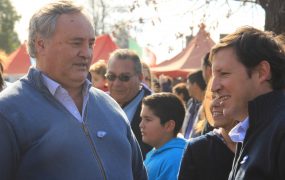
[
  {"x": 206, "y": 60},
  {"x": 197, "y": 77},
  {"x": 2, "y": 60},
  {"x": 126, "y": 54},
  {"x": 166, "y": 106},
  {"x": 253, "y": 46},
  {"x": 181, "y": 88}
]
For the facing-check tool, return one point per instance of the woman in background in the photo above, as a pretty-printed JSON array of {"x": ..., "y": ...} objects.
[{"x": 210, "y": 156}]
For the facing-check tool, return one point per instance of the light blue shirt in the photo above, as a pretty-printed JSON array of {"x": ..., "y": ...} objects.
[
  {"x": 131, "y": 108},
  {"x": 6, "y": 84},
  {"x": 237, "y": 134},
  {"x": 65, "y": 99},
  {"x": 163, "y": 163}
]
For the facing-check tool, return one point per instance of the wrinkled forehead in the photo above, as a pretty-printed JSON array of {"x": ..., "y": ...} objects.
[{"x": 120, "y": 66}]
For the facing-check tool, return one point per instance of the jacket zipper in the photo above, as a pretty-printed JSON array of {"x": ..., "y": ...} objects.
[{"x": 86, "y": 131}]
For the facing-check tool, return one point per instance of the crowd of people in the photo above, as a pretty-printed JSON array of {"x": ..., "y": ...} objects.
[{"x": 68, "y": 119}]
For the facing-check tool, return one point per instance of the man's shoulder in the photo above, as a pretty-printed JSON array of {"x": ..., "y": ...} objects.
[
  {"x": 13, "y": 91},
  {"x": 147, "y": 90},
  {"x": 102, "y": 98}
]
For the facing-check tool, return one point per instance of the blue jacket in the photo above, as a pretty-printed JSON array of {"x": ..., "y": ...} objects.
[
  {"x": 163, "y": 163},
  {"x": 40, "y": 139}
]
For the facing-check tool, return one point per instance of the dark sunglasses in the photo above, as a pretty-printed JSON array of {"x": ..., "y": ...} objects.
[{"x": 121, "y": 77}]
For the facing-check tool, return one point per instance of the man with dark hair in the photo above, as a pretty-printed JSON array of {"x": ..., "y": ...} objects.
[
  {"x": 202, "y": 125},
  {"x": 162, "y": 116},
  {"x": 206, "y": 68},
  {"x": 124, "y": 76},
  {"x": 249, "y": 77},
  {"x": 196, "y": 87}
]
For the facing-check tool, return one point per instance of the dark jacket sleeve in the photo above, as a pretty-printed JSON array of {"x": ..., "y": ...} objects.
[
  {"x": 187, "y": 168},
  {"x": 8, "y": 150},
  {"x": 281, "y": 160}
]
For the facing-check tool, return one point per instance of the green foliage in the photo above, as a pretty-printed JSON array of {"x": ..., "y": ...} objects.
[{"x": 9, "y": 40}]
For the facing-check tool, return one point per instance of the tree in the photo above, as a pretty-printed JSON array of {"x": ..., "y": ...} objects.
[
  {"x": 106, "y": 17},
  {"x": 9, "y": 40},
  {"x": 274, "y": 14},
  {"x": 274, "y": 11}
]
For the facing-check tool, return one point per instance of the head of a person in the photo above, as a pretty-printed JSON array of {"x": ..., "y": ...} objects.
[
  {"x": 246, "y": 64},
  {"x": 219, "y": 119},
  {"x": 147, "y": 79},
  {"x": 162, "y": 117},
  {"x": 206, "y": 68},
  {"x": 156, "y": 86},
  {"x": 124, "y": 75},
  {"x": 181, "y": 91},
  {"x": 196, "y": 85},
  {"x": 280, "y": 38},
  {"x": 165, "y": 83},
  {"x": 98, "y": 71},
  {"x": 61, "y": 38}
]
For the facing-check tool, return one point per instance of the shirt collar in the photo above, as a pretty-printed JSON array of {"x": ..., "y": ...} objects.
[
  {"x": 53, "y": 86},
  {"x": 237, "y": 134}
]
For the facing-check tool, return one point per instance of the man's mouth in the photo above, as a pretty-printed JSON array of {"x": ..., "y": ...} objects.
[
  {"x": 81, "y": 65},
  {"x": 224, "y": 99},
  {"x": 217, "y": 113}
]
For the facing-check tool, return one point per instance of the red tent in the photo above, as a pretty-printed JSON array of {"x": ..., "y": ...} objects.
[
  {"x": 18, "y": 62},
  {"x": 189, "y": 59},
  {"x": 103, "y": 47}
]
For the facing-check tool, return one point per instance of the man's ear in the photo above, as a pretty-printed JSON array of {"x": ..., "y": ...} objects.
[
  {"x": 264, "y": 71},
  {"x": 40, "y": 45},
  {"x": 170, "y": 125}
]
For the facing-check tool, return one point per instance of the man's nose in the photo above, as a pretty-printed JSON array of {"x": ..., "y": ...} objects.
[
  {"x": 86, "y": 51},
  {"x": 216, "y": 85}
]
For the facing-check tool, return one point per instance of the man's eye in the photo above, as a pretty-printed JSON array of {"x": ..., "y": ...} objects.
[
  {"x": 76, "y": 43},
  {"x": 91, "y": 45},
  {"x": 224, "y": 73}
]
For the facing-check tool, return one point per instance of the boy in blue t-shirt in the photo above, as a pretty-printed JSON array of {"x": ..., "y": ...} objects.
[{"x": 162, "y": 117}]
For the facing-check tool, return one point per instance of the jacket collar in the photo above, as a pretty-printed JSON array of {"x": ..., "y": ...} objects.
[
  {"x": 35, "y": 79},
  {"x": 263, "y": 108}
]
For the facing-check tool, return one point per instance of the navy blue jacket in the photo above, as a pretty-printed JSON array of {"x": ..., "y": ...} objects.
[
  {"x": 206, "y": 158},
  {"x": 262, "y": 154}
]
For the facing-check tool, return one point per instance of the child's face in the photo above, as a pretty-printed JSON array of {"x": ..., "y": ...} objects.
[
  {"x": 98, "y": 81},
  {"x": 153, "y": 133}
]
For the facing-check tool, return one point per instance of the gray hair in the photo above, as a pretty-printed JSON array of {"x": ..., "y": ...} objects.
[
  {"x": 43, "y": 22},
  {"x": 126, "y": 54}
]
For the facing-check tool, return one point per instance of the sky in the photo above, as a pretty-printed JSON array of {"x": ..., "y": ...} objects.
[{"x": 170, "y": 18}]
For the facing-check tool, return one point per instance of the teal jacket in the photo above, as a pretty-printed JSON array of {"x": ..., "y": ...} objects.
[
  {"x": 41, "y": 140},
  {"x": 163, "y": 163}
]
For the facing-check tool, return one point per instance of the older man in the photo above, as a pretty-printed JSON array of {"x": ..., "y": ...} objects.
[
  {"x": 124, "y": 76},
  {"x": 53, "y": 125}
]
